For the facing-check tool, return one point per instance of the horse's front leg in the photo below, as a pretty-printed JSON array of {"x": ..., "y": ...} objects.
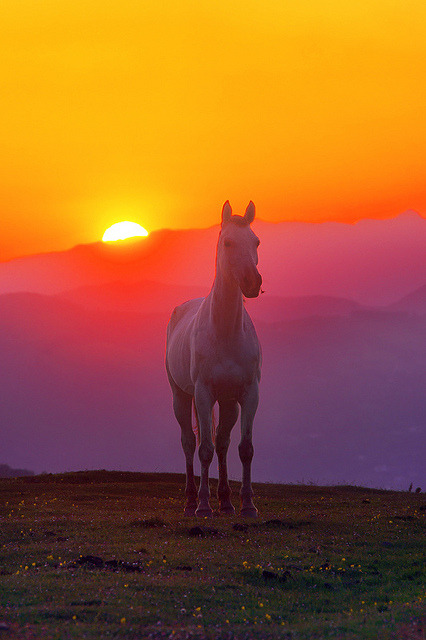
[
  {"x": 204, "y": 406},
  {"x": 228, "y": 414},
  {"x": 249, "y": 404}
]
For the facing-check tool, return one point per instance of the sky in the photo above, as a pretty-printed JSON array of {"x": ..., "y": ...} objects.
[{"x": 159, "y": 111}]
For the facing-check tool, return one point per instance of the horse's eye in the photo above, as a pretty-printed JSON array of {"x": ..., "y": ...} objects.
[{"x": 228, "y": 243}]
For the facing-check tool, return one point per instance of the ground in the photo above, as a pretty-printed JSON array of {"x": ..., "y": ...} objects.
[{"x": 109, "y": 555}]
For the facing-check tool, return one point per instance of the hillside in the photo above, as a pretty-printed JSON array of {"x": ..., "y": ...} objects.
[
  {"x": 100, "y": 554},
  {"x": 414, "y": 302}
]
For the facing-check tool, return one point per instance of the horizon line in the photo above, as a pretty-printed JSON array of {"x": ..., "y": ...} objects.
[{"x": 137, "y": 239}]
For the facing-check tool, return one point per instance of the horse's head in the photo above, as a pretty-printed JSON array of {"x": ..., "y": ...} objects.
[{"x": 237, "y": 250}]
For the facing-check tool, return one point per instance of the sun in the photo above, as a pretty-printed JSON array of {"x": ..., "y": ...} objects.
[{"x": 123, "y": 230}]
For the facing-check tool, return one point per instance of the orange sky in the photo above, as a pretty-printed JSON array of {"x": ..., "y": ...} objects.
[{"x": 157, "y": 112}]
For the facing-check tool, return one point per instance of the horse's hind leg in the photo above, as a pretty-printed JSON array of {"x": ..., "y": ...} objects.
[
  {"x": 204, "y": 406},
  {"x": 245, "y": 448},
  {"x": 182, "y": 407},
  {"x": 228, "y": 414}
]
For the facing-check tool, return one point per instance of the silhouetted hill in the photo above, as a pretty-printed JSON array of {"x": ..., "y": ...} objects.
[
  {"x": 150, "y": 297},
  {"x": 414, "y": 302},
  {"x": 349, "y": 393},
  {"x": 276, "y": 308},
  {"x": 8, "y": 472},
  {"x": 177, "y": 254},
  {"x": 372, "y": 261},
  {"x": 142, "y": 297}
]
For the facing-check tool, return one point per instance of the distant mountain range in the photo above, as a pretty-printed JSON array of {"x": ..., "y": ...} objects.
[
  {"x": 82, "y": 380},
  {"x": 371, "y": 262}
]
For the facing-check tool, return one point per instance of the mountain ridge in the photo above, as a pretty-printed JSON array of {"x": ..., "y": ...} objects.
[
  {"x": 407, "y": 214},
  {"x": 374, "y": 261}
]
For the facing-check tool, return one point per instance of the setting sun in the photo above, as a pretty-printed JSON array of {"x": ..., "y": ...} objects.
[{"x": 123, "y": 230}]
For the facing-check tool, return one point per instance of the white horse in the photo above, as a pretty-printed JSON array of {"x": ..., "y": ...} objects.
[{"x": 213, "y": 355}]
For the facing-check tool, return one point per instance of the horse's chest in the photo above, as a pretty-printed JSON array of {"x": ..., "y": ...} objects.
[{"x": 227, "y": 368}]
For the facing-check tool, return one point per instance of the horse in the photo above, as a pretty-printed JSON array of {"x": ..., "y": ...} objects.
[{"x": 213, "y": 356}]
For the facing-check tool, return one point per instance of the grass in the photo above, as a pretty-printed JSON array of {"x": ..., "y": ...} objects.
[{"x": 109, "y": 555}]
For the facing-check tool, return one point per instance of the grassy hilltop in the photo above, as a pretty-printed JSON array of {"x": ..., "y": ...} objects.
[{"x": 109, "y": 555}]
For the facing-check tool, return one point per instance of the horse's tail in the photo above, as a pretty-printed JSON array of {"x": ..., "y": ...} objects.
[{"x": 196, "y": 425}]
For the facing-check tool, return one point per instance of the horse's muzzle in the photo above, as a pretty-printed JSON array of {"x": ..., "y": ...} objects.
[{"x": 251, "y": 285}]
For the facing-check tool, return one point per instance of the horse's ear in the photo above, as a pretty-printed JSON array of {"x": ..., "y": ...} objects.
[
  {"x": 226, "y": 212},
  {"x": 250, "y": 213}
]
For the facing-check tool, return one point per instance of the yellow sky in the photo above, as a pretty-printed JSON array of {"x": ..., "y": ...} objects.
[{"x": 157, "y": 112}]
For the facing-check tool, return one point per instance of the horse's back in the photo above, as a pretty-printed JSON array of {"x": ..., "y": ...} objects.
[{"x": 183, "y": 314}]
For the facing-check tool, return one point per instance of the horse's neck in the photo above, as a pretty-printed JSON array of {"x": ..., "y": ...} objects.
[{"x": 226, "y": 306}]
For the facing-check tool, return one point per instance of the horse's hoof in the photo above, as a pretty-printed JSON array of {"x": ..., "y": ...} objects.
[
  {"x": 248, "y": 512},
  {"x": 204, "y": 513},
  {"x": 228, "y": 510},
  {"x": 189, "y": 512}
]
